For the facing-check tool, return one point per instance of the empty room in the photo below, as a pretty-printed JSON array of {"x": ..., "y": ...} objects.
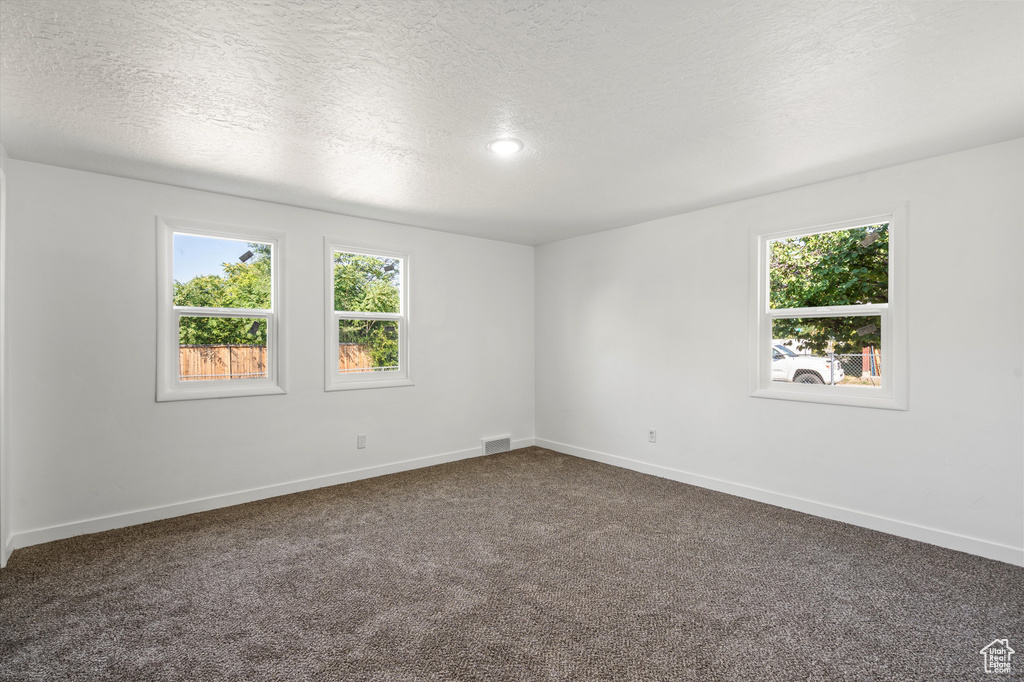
[{"x": 511, "y": 340}]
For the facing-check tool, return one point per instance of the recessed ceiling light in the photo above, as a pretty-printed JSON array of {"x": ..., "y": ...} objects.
[{"x": 505, "y": 147}]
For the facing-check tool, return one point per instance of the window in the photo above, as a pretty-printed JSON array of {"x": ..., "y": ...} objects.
[
  {"x": 367, "y": 325},
  {"x": 219, "y": 312},
  {"x": 829, "y": 308}
]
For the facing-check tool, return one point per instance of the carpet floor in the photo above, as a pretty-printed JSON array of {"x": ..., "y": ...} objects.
[{"x": 529, "y": 565}]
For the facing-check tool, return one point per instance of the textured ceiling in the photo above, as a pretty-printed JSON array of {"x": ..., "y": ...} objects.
[{"x": 629, "y": 110}]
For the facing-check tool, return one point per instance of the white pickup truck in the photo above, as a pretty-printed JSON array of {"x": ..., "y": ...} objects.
[{"x": 787, "y": 365}]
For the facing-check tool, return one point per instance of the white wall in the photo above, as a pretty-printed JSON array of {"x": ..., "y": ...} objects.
[
  {"x": 90, "y": 447},
  {"x": 648, "y": 327},
  {"x": 6, "y": 546},
  {"x": 638, "y": 328}
]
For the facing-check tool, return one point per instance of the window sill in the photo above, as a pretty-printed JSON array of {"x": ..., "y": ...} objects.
[
  {"x": 207, "y": 392},
  {"x": 826, "y": 395},
  {"x": 357, "y": 384}
]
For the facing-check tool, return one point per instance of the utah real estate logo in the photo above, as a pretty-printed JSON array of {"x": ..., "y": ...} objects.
[{"x": 997, "y": 656}]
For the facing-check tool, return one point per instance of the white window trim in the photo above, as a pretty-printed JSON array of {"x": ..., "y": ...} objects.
[
  {"x": 168, "y": 385},
  {"x": 335, "y": 380},
  {"x": 892, "y": 395}
]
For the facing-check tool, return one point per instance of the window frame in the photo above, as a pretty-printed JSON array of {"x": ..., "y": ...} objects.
[
  {"x": 169, "y": 387},
  {"x": 892, "y": 394},
  {"x": 334, "y": 380}
]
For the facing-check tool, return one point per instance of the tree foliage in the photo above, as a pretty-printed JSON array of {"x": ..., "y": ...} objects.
[
  {"x": 845, "y": 267},
  {"x": 369, "y": 284},
  {"x": 361, "y": 284},
  {"x": 243, "y": 285}
]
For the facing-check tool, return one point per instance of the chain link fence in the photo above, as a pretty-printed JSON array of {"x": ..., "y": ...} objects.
[{"x": 860, "y": 369}]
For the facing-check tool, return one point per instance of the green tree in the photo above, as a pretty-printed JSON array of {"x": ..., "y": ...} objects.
[
  {"x": 249, "y": 283},
  {"x": 368, "y": 284},
  {"x": 845, "y": 267},
  {"x": 243, "y": 285}
]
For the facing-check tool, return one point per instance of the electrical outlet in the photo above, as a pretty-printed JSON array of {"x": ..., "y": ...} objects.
[
  {"x": 361, "y": 441},
  {"x": 652, "y": 436}
]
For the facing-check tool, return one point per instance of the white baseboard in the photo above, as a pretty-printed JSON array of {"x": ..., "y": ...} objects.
[
  {"x": 6, "y": 547},
  {"x": 933, "y": 536},
  {"x": 99, "y": 524}
]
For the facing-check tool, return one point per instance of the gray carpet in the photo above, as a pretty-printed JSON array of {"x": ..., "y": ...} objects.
[{"x": 530, "y": 565}]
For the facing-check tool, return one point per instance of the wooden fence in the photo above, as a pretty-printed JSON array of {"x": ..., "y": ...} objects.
[
  {"x": 206, "y": 363},
  {"x": 354, "y": 357}
]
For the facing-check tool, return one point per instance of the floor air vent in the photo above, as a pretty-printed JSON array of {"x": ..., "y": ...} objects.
[{"x": 496, "y": 444}]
